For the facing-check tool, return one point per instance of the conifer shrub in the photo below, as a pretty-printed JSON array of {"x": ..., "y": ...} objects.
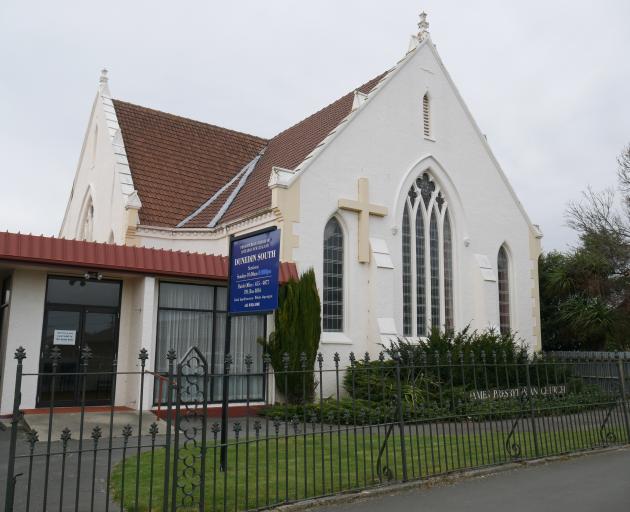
[{"x": 293, "y": 345}]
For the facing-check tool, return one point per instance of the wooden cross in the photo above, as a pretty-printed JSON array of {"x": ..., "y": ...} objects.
[{"x": 364, "y": 208}]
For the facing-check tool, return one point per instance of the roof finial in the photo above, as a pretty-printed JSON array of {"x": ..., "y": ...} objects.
[
  {"x": 423, "y": 27},
  {"x": 103, "y": 83}
]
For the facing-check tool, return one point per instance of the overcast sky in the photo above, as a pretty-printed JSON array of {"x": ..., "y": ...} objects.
[{"x": 547, "y": 81}]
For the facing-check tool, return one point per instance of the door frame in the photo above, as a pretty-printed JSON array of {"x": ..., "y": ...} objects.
[{"x": 82, "y": 309}]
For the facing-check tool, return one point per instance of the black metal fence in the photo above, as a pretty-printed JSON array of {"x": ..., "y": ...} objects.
[
  {"x": 355, "y": 424},
  {"x": 594, "y": 367}
]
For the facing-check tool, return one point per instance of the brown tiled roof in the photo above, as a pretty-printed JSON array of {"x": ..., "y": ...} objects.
[
  {"x": 44, "y": 250},
  {"x": 288, "y": 149},
  {"x": 177, "y": 164}
]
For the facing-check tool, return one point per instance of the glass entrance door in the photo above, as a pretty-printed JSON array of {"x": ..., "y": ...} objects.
[
  {"x": 70, "y": 330},
  {"x": 71, "y": 326},
  {"x": 62, "y": 329}
]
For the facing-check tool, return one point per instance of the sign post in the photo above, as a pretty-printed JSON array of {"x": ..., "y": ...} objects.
[{"x": 253, "y": 279}]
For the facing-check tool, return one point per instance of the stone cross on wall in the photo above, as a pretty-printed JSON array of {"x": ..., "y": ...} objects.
[{"x": 364, "y": 208}]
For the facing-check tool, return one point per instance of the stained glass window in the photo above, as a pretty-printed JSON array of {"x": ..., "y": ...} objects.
[
  {"x": 421, "y": 299},
  {"x": 435, "y": 271},
  {"x": 333, "y": 277},
  {"x": 448, "y": 274},
  {"x": 406, "y": 268},
  {"x": 427, "y": 263},
  {"x": 504, "y": 291}
]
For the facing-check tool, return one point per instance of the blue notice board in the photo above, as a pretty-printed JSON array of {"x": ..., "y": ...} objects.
[{"x": 254, "y": 270}]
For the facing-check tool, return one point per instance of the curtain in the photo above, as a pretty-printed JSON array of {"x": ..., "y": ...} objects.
[
  {"x": 195, "y": 316},
  {"x": 246, "y": 331}
]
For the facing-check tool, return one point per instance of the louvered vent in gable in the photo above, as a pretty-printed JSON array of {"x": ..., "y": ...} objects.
[{"x": 426, "y": 115}]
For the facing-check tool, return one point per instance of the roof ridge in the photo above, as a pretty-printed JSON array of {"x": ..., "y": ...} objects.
[
  {"x": 190, "y": 120},
  {"x": 376, "y": 80}
]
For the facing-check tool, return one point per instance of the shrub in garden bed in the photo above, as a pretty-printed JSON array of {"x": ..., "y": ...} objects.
[
  {"x": 441, "y": 377},
  {"x": 347, "y": 411}
]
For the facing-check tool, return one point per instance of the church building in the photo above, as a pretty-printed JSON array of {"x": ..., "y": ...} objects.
[{"x": 390, "y": 193}]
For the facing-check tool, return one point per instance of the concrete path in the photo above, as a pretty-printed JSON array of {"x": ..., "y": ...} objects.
[
  {"x": 39, "y": 422},
  {"x": 599, "y": 482}
]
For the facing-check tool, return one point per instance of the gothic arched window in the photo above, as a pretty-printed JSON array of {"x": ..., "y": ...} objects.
[
  {"x": 87, "y": 222},
  {"x": 332, "y": 318},
  {"x": 504, "y": 290},
  {"x": 427, "y": 255}
]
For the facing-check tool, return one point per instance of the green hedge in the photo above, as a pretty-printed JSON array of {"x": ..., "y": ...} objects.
[
  {"x": 437, "y": 378},
  {"x": 347, "y": 411}
]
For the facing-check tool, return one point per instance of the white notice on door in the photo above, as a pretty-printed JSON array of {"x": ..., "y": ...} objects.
[{"x": 64, "y": 337}]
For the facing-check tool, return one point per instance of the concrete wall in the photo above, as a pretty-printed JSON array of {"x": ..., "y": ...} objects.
[
  {"x": 24, "y": 328},
  {"x": 98, "y": 180},
  {"x": 138, "y": 320},
  {"x": 4, "y": 322}
]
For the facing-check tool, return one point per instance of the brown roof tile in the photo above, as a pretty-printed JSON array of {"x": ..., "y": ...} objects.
[
  {"x": 288, "y": 149},
  {"x": 177, "y": 163}
]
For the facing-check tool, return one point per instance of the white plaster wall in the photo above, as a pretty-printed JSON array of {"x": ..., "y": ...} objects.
[
  {"x": 4, "y": 321},
  {"x": 384, "y": 142},
  {"x": 201, "y": 244},
  {"x": 25, "y": 319},
  {"x": 147, "y": 336},
  {"x": 96, "y": 176},
  {"x": 198, "y": 241},
  {"x": 134, "y": 333}
]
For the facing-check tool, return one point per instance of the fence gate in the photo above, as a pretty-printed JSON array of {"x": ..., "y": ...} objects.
[{"x": 191, "y": 418}]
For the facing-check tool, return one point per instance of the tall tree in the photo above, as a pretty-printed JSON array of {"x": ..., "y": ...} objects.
[{"x": 585, "y": 293}]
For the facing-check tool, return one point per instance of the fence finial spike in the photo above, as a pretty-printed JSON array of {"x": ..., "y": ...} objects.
[{"x": 20, "y": 354}]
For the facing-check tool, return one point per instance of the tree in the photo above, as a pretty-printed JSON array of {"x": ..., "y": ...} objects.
[
  {"x": 294, "y": 343},
  {"x": 585, "y": 292}
]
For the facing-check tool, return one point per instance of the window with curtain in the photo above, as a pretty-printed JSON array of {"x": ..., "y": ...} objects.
[
  {"x": 332, "y": 317},
  {"x": 192, "y": 315},
  {"x": 427, "y": 256},
  {"x": 504, "y": 290}
]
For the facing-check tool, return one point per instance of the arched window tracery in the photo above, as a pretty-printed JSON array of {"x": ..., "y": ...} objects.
[{"x": 427, "y": 255}]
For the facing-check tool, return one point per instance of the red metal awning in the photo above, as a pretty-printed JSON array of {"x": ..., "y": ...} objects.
[{"x": 100, "y": 256}]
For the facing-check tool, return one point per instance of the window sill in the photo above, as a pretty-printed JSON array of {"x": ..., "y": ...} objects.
[{"x": 337, "y": 338}]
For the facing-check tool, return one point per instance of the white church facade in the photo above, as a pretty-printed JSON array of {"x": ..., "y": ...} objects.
[{"x": 391, "y": 194}]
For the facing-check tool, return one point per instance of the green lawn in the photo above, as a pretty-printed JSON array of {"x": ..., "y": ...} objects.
[{"x": 291, "y": 468}]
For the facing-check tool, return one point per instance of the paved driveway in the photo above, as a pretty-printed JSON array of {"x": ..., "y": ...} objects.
[{"x": 597, "y": 482}]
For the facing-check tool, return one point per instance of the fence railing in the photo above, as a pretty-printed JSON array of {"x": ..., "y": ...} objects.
[
  {"x": 594, "y": 367},
  {"x": 342, "y": 426}
]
